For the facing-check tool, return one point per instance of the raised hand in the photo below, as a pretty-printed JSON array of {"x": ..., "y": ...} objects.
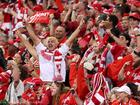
[{"x": 82, "y": 21}]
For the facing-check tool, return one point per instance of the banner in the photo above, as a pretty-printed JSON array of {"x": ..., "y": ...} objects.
[{"x": 41, "y": 17}]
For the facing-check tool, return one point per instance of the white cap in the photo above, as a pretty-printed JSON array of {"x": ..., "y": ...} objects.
[
  {"x": 88, "y": 66},
  {"x": 125, "y": 89},
  {"x": 18, "y": 25},
  {"x": 114, "y": 89}
]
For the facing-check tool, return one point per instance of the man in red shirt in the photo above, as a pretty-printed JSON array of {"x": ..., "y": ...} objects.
[{"x": 120, "y": 70}]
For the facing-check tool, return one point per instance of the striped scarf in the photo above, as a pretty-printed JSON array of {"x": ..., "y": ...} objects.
[
  {"x": 92, "y": 57},
  {"x": 99, "y": 94},
  {"x": 103, "y": 59},
  {"x": 57, "y": 58}
]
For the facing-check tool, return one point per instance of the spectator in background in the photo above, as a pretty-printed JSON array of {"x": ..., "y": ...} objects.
[
  {"x": 16, "y": 87},
  {"x": 124, "y": 96},
  {"x": 135, "y": 89}
]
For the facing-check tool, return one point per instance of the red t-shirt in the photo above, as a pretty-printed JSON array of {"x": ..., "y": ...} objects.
[
  {"x": 136, "y": 76},
  {"x": 114, "y": 68},
  {"x": 117, "y": 51}
]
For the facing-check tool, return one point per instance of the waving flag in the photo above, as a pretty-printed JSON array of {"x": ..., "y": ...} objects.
[{"x": 41, "y": 17}]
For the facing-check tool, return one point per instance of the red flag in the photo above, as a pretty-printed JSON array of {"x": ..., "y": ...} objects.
[
  {"x": 41, "y": 17},
  {"x": 60, "y": 5}
]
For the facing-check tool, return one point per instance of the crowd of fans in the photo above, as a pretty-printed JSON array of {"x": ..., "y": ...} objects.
[{"x": 69, "y": 52}]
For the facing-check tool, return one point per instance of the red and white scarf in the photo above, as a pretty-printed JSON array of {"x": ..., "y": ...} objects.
[
  {"x": 103, "y": 59},
  {"x": 99, "y": 94},
  {"x": 92, "y": 57},
  {"x": 57, "y": 58}
]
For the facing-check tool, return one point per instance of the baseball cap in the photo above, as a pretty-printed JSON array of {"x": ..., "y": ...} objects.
[
  {"x": 124, "y": 89},
  {"x": 135, "y": 15}
]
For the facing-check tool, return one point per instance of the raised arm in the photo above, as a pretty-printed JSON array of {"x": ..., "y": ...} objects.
[
  {"x": 32, "y": 35},
  {"x": 29, "y": 47},
  {"x": 74, "y": 13},
  {"x": 44, "y": 4},
  {"x": 13, "y": 13},
  {"x": 117, "y": 40},
  {"x": 51, "y": 25},
  {"x": 75, "y": 33},
  {"x": 30, "y": 12},
  {"x": 68, "y": 14},
  {"x": 121, "y": 75},
  {"x": 77, "y": 98}
]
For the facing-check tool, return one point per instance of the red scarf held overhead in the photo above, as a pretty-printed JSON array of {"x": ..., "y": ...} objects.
[
  {"x": 57, "y": 56},
  {"x": 99, "y": 93}
]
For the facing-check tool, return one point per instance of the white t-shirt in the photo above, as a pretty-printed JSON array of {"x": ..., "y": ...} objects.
[{"x": 47, "y": 67}]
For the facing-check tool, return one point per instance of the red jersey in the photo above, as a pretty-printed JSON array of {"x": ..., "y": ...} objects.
[{"x": 114, "y": 68}]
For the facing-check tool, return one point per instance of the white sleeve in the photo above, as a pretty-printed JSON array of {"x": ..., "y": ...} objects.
[
  {"x": 40, "y": 47},
  {"x": 64, "y": 49}
]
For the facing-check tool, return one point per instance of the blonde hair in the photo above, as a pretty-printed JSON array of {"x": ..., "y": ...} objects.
[{"x": 52, "y": 38}]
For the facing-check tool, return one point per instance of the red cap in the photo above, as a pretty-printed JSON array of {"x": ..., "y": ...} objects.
[
  {"x": 36, "y": 81},
  {"x": 97, "y": 6},
  {"x": 135, "y": 15},
  {"x": 38, "y": 8}
]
